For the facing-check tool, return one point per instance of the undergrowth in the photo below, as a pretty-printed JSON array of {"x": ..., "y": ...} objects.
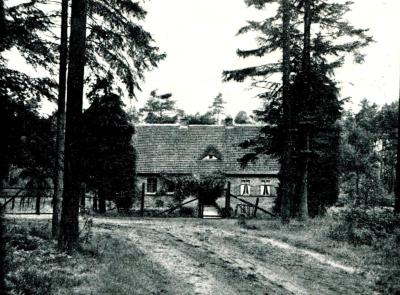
[{"x": 34, "y": 265}]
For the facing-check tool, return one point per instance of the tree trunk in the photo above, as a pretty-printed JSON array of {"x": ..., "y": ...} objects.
[
  {"x": 60, "y": 140},
  {"x": 287, "y": 165},
  {"x": 102, "y": 201},
  {"x": 95, "y": 203},
  {"x": 397, "y": 177},
  {"x": 69, "y": 225},
  {"x": 357, "y": 188},
  {"x": 303, "y": 204},
  {"x": 2, "y": 255},
  {"x": 303, "y": 207},
  {"x": 37, "y": 205}
]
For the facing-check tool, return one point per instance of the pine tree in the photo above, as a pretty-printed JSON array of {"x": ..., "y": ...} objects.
[
  {"x": 329, "y": 45},
  {"x": 160, "y": 109},
  {"x": 397, "y": 186},
  {"x": 108, "y": 154},
  {"x": 217, "y": 107},
  {"x": 2, "y": 253},
  {"x": 116, "y": 41},
  {"x": 60, "y": 136},
  {"x": 20, "y": 94},
  {"x": 69, "y": 225}
]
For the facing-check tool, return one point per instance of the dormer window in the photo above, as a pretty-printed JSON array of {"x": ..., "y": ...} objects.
[
  {"x": 211, "y": 153},
  {"x": 210, "y": 158}
]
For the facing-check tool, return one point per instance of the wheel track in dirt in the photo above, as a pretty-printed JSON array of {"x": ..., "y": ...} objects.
[
  {"x": 296, "y": 271},
  {"x": 235, "y": 262}
]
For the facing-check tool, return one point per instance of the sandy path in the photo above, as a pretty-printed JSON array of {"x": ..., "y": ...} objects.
[{"x": 216, "y": 261}]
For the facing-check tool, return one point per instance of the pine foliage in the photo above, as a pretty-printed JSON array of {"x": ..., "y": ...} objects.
[
  {"x": 108, "y": 154},
  {"x": 332, "y": 41},
  {"x": 117, "y": 42}
]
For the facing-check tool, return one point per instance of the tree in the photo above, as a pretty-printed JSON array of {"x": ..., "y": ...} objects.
[
  {"x": 108, "y": 154},
  {"x": 242, "y": 118},
  {"x": 217, "y": 107},
  {"x": 359, "y": 158},
  {"x": 287, "y": 165},
  {"x": 69, "y": 225},
  {"x": 60, "y": 136},
  {"x": 200, "y": 119},
  {"x": 20, "y": 94},
  {"x": 386, "y": 129},
  {"x": 329, "y": 44},
  {"x": 2, "y": 251},
  {"x": 2, "y": 229},
  {"x": 117, "y": 42},
  {"x": 160, "y": 109},
  {"x": 397, "y": 187}
]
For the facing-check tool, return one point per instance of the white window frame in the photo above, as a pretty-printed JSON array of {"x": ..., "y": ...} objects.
[
  {"x": 245, "y": 183},
  {"x": 210, "y": 158},
  {"x": 265, "y": 190}
]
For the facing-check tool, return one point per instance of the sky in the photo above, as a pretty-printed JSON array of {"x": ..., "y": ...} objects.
[{"x": 200, "y": 40}]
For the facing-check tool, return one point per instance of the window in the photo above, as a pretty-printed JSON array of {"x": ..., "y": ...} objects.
[
  {"x": 210, "y": 157},
  {"x": 265, "y": 189},
  {"x": 245, "y": 187},
  {"x": 211, "y": 153},
  {"x": 152, "y": 185},
  {"x": 170, "y": 187}
]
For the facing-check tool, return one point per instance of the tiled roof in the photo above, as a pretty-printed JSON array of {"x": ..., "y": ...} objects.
[{"x": 171, "y": 148}]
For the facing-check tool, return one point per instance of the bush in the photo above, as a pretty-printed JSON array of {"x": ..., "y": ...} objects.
[
  {"x": 186, "y": 212},
  {"x": 159, "y": 203},
  {"x": 359, "y": 226}
]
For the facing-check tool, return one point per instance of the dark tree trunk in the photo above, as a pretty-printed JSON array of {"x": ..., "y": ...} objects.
[
  {"x": 37, "y": 205},
  {"x": 287, "y": 163},
  {"x": 95, "y": 203},
  {"x": 69, "y": 225},
  {"x": 102, "y": 201},
  {"x": 303, "y": 202},
  {"x": 60, "y": 141},
  {"x": 2, "y": 255},
  {"x": 397, "y": 177}
]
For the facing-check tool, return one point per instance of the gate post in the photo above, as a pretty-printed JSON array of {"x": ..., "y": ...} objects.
[
  {"x": 256, "y": 207},
  {"x": 38, "y": 202},
  {"x": 200, "y": 200},
  {"x": 228, "y": 200},
  {"x": 142, "y": 200}
]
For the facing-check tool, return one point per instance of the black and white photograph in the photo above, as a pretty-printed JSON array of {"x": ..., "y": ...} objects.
[{"x": 188, "y": 147}]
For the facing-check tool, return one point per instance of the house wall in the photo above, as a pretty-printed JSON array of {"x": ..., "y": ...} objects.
[
  {"x": 255, "y": 183},
  {"x": 162, "y": 200}
]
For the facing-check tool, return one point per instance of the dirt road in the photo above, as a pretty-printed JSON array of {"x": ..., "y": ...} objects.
[{"x": 219, "y": 257}]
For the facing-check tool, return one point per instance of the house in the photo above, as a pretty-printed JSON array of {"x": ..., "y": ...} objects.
[{"x": 200, "y": 149}]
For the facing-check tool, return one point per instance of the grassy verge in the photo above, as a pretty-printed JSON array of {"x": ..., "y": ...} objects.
[
  {"x": 104, "y": 265},
  {"x": 370, "y": 248}
]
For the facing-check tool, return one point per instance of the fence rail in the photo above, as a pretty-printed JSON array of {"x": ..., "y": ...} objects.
[{"x": 20, "y": 200}]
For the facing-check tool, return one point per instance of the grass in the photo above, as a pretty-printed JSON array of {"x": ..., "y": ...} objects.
[
  {"x": 103, "y": 265},
  {"x": 111, "y": 264},
  {"x": 380, "y": 261}
]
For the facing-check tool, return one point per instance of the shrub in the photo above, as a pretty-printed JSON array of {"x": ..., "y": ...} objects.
[
  {"x": 159, "y": 203},
  {"x": 186, "y": 212},
  {"x": 359, "y": 226}
]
